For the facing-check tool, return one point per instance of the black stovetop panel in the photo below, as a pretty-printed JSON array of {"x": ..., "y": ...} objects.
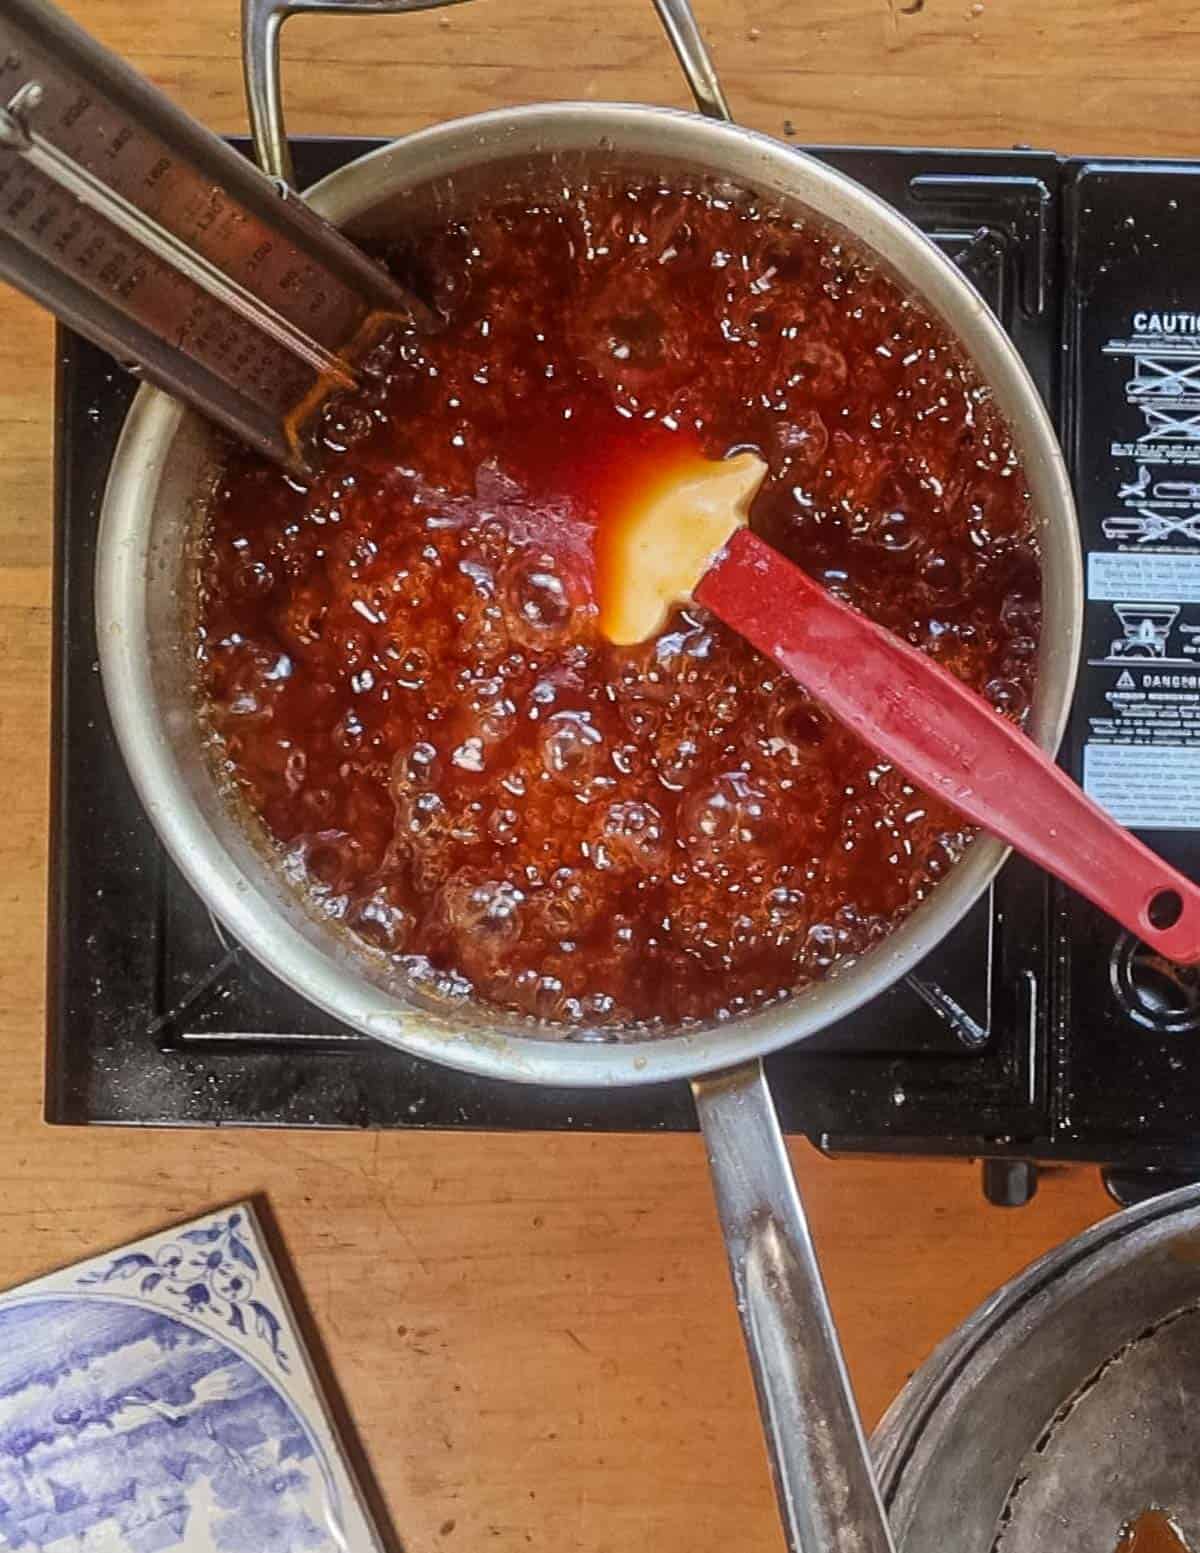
[{"x": 1014, "y": 1038}]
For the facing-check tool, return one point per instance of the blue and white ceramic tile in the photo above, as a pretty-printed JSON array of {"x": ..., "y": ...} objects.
[{"x": 158, "y": 1400}]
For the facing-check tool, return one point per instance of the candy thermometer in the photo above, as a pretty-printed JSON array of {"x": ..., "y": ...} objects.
[{"x": 148, "y": 234}]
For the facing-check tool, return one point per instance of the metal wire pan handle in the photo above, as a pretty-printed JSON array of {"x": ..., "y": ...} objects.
[
  {"x": 681, "y": 27},
  {"x": 262, "y": 22}
]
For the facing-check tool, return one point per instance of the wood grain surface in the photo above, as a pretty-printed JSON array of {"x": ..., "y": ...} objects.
[{"x": 533, "y": 1334}]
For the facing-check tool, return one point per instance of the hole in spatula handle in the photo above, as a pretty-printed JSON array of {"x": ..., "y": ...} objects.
[{"x": 1164, "y": 910}]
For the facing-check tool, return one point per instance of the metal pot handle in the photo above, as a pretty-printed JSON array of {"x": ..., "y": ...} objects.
[
  {"x": 262, "y": 21},
  {"x": 679, "y": 23},
  {"x": 823, "y": 1478}
]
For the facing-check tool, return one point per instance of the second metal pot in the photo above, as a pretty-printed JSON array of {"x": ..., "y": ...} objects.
[{"x": 1065, "y": 1405}]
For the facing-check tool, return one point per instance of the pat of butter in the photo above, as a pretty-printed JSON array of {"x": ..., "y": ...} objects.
[{"x": 668, "y": 539}]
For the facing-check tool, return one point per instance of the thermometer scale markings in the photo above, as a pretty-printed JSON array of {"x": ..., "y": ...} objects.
[
  {"x": 151, "y": 236},
  {"x": 129, "y": 159},
  {"x": 16, "y": 134}
]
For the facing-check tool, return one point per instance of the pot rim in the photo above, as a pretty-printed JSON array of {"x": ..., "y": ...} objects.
[{"x": 515, "y": 1051}]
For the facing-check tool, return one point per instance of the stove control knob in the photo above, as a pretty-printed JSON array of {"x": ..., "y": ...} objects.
[{"x": 1157, "y": 993}]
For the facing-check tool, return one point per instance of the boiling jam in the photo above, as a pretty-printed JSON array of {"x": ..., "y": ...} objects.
[{"x": 402, "y": 662}]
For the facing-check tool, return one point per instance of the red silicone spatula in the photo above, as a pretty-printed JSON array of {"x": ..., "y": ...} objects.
[{"x": 947, "y": 739}]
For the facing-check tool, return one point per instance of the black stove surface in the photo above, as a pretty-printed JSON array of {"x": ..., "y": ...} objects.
[{"x": 1034, "y": 1031}]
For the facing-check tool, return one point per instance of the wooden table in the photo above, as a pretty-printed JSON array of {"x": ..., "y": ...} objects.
[{"x": 534, "y": 1335}]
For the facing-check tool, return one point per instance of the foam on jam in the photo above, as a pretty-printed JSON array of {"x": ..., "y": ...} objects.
[{"x": 403, "y": 665}]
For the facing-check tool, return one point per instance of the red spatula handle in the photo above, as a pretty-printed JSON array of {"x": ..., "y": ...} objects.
[{"x": 950, "y": 741}]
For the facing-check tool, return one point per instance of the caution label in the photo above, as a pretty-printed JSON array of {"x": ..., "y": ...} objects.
[
  {"x": 1144, "y": 577},
  {"x": 1133, "y": 400},
  {"x": 1141, "y": 760},
  {"x": 1139, "y": 707},
  {"x": 1149, "y": 786}
]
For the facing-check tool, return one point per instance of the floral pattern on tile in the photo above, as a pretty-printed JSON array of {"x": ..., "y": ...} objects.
[{"x": 159, "y": 1400}]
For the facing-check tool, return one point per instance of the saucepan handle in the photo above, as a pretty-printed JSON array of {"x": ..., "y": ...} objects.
[
  {"x": 679, "y": 22},
  {"x": 262, "y": 21},
  {"x": 823, "y": 1478}
]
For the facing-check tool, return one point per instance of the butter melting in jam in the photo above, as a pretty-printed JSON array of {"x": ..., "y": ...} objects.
[{"x": 403, "y": 666}]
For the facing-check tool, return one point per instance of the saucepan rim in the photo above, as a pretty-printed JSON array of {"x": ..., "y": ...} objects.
[{"x": 299, "y": 951}]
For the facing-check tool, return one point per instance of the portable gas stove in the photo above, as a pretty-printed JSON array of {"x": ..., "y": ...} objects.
[{"x": 1036, "y": 1032}]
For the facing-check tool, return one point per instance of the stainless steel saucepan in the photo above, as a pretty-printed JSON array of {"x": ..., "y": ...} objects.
[{"x": 145, "y": 603}]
